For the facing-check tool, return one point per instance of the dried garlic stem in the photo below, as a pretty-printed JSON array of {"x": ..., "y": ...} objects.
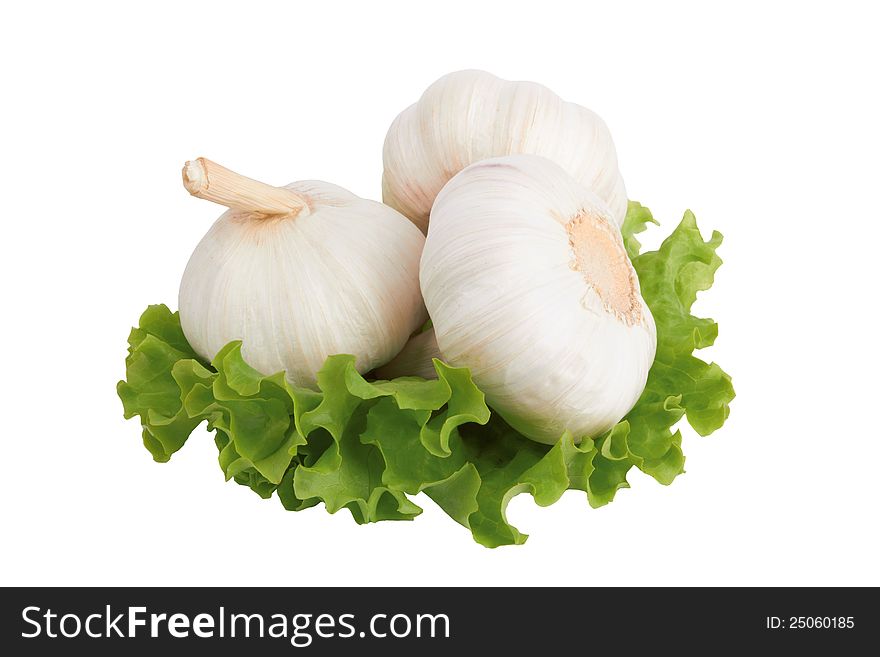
[{"x": 212, "y": 182}]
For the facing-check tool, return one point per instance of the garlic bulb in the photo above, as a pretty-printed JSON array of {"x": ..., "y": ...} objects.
[
  {"x": 469, "y": 116},
  {"x": 528, "y": 284},
  {"x": 299, "y": 273}
]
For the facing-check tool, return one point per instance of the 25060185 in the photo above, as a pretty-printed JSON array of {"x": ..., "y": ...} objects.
[{"x": 810, "y": 622}]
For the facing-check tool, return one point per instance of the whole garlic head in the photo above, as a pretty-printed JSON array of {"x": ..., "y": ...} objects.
[
  {"x": 299, "y": 273},
  {"x": 469, "y": 116},
  {"x": 528, "y": 284}
]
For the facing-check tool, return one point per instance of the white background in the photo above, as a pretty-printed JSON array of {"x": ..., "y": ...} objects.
[{"x": 762, "y": 118}]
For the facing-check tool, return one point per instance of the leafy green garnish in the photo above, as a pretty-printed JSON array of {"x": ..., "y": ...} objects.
[{"x": 369, "y": 445}]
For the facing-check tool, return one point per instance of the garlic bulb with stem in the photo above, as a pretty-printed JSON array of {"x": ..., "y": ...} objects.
[
  {"x": 528, "y": 284},
  {"x": 299, "y": 273},
  {"x": 469, "y": 116}
]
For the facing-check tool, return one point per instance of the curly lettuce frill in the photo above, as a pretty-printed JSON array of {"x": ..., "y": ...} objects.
[{"x": 369, "y": 445}]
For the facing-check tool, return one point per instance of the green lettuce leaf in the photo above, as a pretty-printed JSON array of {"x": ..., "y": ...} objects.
[
  {"x": 352, "y": 471},
  {"x": 173, "y": 392},
  {"x": 670, "y": 279},
  {"x": 150, "y": 390},
  {"x": 368, "y": 445}
]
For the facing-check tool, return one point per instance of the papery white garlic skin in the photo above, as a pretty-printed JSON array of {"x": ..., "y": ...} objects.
[
  {"x": 341, "y": 276},
  {"x": 469, "y": 116},
  {"x": 415, "y": 359},
  {"x": 528, "y": 284}
]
